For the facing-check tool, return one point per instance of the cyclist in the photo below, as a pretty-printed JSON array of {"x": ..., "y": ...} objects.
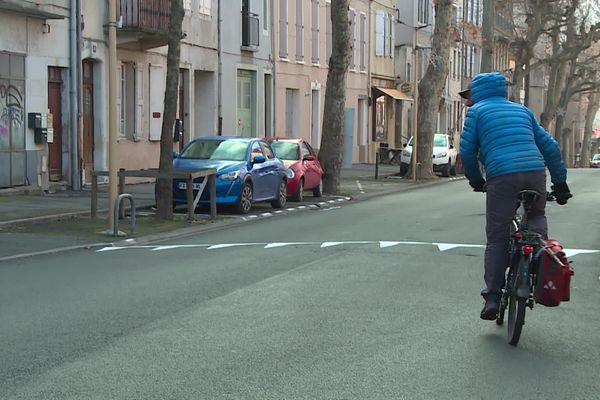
[{"x": 514, "y": 151}]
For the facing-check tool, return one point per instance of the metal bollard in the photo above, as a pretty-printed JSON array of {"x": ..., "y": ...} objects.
[{"x": 118, "y": 202}]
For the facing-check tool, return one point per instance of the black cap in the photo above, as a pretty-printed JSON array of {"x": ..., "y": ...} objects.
[{"x": 465, "y": 94}]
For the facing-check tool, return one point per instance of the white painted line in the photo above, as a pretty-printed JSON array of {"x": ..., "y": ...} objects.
[
  {"x": 313, "y": 206},
  {"x": 322, "y": 203},
  {"x": 279, "y": 212},
  {"x": 301, "y": 207},
  {"x": 449, "y": 246},
  {"x": 225, "y": 245},
  {"x": 574, "y": 252},
  {"x": 331, "y": 201},
  {"x": 384, "y": 244},
  {"x": 283, "y": 244},
  {"x": 252, "y": 216},
  {"x": 331, "y": 244},
  {"x": 267, "y": 214},
  {"x": 112, "y": 248},
  {"x": 330, "y": 208},
  {"x": 178, "y": 246},
  {"x": 360, "y": 188},
  {"x": 291, "y": 209}
]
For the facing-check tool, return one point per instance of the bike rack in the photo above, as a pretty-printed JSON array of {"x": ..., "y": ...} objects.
[{"x": 118, "y": 202}]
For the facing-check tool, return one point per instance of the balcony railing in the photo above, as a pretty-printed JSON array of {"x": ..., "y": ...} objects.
[
  {"x": 145, "y": 15},
  {"x": 250, "y": 25}
]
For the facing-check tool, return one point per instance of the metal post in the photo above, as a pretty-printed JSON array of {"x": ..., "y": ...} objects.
[
  {"x": 94, "y": 195},
  {"x": 121, "y": 189},
  {"x": 376, "y": 165},
  {"x": 112, "y": 110},
  {"x": 213, "y": 195},
  {"x": 190, "y": 197},
  {"x": 117, "y": 208}
]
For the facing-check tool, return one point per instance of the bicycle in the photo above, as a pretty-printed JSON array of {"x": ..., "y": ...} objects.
[{"x": 524, "y": 251}]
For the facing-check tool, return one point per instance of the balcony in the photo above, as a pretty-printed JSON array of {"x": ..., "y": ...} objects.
[
  {"x": 145, "y": 23},
  {"x": 250, "y": 31},
  {"x": 50, "y": 9}
]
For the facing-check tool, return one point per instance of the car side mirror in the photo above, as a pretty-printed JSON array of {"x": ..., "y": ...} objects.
[
  {"x": 258, "y": 159},
  {"x": 404, "y": 145},
  {"x": 451, "y": 146},
  {"x": 175, "y": 155},
  {"x": 309, "y": 158}
]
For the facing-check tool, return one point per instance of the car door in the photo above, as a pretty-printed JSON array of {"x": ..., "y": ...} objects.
[
  {"x": 274, "y": 169},
  {"x": 258, "y": 171},
  {"x": 312, "y": 174}
]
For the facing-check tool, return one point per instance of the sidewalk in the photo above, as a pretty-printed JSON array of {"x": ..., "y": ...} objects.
[{"x": 46, "y": 222}]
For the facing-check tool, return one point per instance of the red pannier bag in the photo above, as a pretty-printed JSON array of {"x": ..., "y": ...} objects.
[{"x": 553, "y": 276}]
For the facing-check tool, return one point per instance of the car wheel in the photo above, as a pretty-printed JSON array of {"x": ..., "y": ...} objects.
[
  {"x": 298, "y": 196},
  {"x": 281, "y": 196},
  {"x": 246, "y": 196},
  {"x": 318, "y": 191},
  {"x": 446, "y": 169}
]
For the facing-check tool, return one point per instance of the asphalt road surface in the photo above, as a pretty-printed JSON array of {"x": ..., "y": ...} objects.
[{"x": 369, "y": 300}]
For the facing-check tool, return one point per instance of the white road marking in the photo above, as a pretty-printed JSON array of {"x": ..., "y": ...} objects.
[
  {"x": 381, "y": 243},
  {"x": 267, "y": 214},
  {"x": 330, "y": 208},
  {"x": 301, "y": 207}
]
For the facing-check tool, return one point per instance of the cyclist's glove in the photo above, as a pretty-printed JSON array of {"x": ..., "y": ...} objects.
[
  {"x": 561, "y": 192},
  {"x": 478, "y": 186}
]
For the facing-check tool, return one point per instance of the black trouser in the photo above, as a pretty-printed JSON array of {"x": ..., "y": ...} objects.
[{"x": 501, "y": 202}]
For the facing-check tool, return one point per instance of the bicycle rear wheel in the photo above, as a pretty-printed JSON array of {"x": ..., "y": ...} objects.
[{"x": 516, "y": 308}]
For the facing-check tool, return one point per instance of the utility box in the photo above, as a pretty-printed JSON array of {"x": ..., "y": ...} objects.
[
  {"x": 34, "y": 120},
  {"x": 40, "y": 135}
]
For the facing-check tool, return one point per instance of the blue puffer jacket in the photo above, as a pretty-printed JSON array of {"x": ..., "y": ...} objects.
[{"x": 505, "y": 136}]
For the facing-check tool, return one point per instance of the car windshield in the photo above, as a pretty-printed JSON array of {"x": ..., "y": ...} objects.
[
  {"x": 286, "y": 150},
  {"x": 227, "y": 150},
  {"x": 439, "y": 141},
  {"x": 596, "y": 157}
]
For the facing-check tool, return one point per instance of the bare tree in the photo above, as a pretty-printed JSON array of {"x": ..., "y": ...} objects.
[
  {"x": 432, "y": 86},
  {"x": 330, "y": 153},
  {"x": 592, "y": 110},
  {"x": 488, "y": 39},
  {"x": 165, "y": 191}
]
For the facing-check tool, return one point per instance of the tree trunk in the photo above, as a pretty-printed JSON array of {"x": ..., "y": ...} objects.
[
  {"x": 561, "y": 110},
  {"x": 332, "y": 141},
  {"x": 558, "y": 78},
  {"x": 165, "y": 192},
  {"x": 432, "y": 86},
  {"x": 488, "y": 40},
  {"x": 592, "y": 110}
]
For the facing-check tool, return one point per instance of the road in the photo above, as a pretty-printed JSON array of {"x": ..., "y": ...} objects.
[{"x": 372, "y": 300}]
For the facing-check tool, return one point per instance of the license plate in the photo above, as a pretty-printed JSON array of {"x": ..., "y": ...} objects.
[{"x": 183, "y": 186}]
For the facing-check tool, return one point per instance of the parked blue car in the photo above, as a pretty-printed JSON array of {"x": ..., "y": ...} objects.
[{"x": 247, "y": 171}]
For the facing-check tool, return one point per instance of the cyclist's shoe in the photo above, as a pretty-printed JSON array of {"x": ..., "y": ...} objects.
[{"x": 490, "y": 309}]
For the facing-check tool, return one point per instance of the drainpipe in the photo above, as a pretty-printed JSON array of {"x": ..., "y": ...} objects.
[
  {"x": 73, "y": 91},
  {"x": 219, "y": 73},
  {"x": 274, "y": 80}
]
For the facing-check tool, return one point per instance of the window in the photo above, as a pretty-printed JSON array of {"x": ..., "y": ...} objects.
[
  {"x": 363, "y": 41},
  {"x": 266, "y": 16},
  {"x": 267, "y": 150},
  {"x": 379, "y": 33},
  {"x": 187, "y": 6},
  {"x": 129, "y": 94},
  {"x": 423, "y": 12},
  {"x": 352, "y": 28},
  {"x": 305, "y": 151},
  {"x": 315, "y": 31},
  {"x": 299, "y": 31},
  {"x": 283, "y": 29},
  {"x": 390, "y": 38},
  {"x": 205, "y": 7}
]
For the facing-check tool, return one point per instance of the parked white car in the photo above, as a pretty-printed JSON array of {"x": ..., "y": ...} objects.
[{"x": 444, "y": 155}]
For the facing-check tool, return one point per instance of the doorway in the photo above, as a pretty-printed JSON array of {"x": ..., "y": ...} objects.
[
  {"x": 246, "y": 106},
  {"x": 55, "y": 107},
  {"x": 88, "y": 119}
]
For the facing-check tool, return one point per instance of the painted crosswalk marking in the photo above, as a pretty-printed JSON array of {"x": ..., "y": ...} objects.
[{"x": 382, "y": 244}]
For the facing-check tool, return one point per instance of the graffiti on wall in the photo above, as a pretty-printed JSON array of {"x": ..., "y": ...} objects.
[{"x": 11, "y": 112}]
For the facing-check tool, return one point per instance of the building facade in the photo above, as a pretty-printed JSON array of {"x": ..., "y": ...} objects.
[
  {"x": 141, "y": 75},
  {"x": 303, "y": 45},
  {"x": 34, "y": 92}
]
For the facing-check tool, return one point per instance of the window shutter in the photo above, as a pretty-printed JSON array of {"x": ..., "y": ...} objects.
[
  {"x": 379, "y": 33},
  {"x": 157, "y": 101},
  {"x": 363, "y": 41},
  {"x": 121, "y": 116},
  {"x": 392, "y": 30},
  {"x": 315, "y": 31},
  {"x": 139, "y": 105},
  {"x": 328, "y": 33},
  {"x": 299, "y": 31},
  {"x": 352, "y": 20},
  {"x": 283, "y": 25}
]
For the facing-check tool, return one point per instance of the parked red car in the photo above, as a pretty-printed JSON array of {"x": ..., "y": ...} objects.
[{"x": 304, "y": 171}]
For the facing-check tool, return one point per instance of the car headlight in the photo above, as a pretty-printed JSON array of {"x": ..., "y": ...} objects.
[
  {"x": 406, "y": 153},
  {"x": 290, "y": 173},
  {"x": 230, "y": 176},
  {"x": 440, "y": 155}
]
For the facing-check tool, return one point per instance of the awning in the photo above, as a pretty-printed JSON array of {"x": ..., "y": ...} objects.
[{"x": 396, "y": 94}]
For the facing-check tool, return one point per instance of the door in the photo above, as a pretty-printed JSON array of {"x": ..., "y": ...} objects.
[
  {"x": 54, "y": 104},
  {"x": 260, "y": 174},
  {"x": 88, "y": 120},
  {"x": 312, "y": 176},
  {"x": 292, "y": 112},
  {"x": 246, "y": 104},
  {"x": 315, "y": 122}
]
